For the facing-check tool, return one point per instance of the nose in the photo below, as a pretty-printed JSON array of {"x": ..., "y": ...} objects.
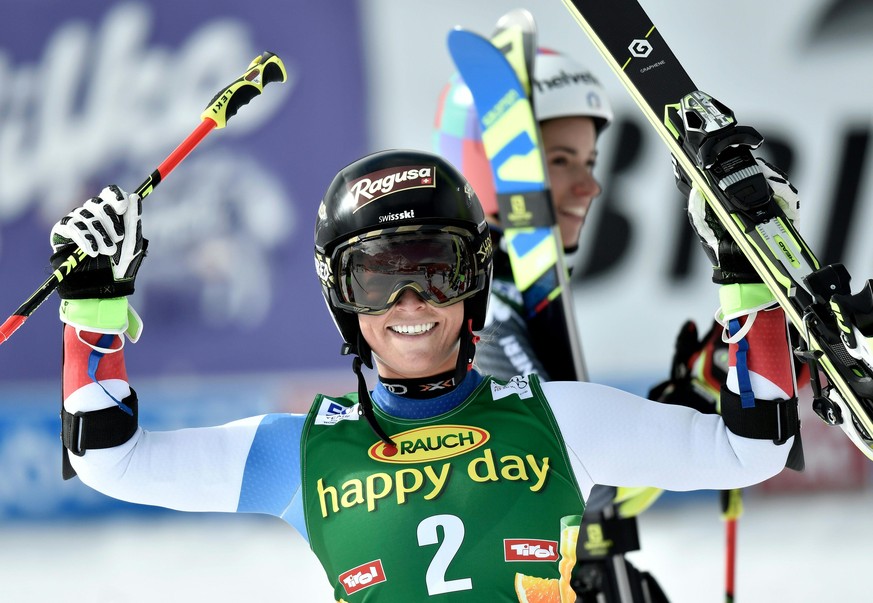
[
  {"x": 409, "y": 299},
  {"x": 585, "y": 184}
]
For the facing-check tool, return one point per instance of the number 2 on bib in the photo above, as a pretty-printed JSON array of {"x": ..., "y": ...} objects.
[{"x": 453, "y": 537}]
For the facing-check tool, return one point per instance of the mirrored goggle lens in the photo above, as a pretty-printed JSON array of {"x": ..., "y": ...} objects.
[{"x": 374, "y": 272}]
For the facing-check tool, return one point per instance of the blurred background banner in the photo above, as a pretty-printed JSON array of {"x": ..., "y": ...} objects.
[
  {"x": 96, "y": 93},
  {"x": 101, "y": 92}
]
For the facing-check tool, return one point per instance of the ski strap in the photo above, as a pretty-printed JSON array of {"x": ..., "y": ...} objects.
[
  {"x": 776, "y": 420},
  {"x": 104, "y": 428}
]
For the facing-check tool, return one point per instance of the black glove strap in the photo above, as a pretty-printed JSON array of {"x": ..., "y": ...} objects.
[
  {"x": 105, "y": 428},
  {"x": 733, "y": 265},
  {"x": 775, "y": 420},
  {"x": 93, "y": 277}
]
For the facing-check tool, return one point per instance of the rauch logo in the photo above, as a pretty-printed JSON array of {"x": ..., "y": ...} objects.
[{"x": 430, "y": 444}]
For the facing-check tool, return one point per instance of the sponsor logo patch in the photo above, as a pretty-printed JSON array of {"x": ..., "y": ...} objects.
[
  {"x": 363, "y": 576},
  {"x": 433, "y": 443},
  {"x": 331, "y": 413},
  {"x": 530, "y": 549},
  {"x": 322, "y": 268},
  {"x": 384, "y": 182},
  {"x": 517, "y": 385},
  {"x": 409, "y": 214}
]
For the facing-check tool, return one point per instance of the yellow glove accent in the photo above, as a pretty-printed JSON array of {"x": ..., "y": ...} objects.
[
  {"x": 731, "y": 504},
  {"x": 630, "y": 502}
]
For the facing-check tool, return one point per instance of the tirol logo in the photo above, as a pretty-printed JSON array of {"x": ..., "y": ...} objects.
[
  {"x": 384, "y": 182},
  {"x": 530, "y": 549},
  {"x": 430, "y": 444},
  {"x": 359, "y": 578}
]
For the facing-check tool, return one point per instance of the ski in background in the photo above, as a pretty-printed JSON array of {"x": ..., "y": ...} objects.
[
  {"x": 518, "y": 184},
  {"x": 511, "y": 139}
]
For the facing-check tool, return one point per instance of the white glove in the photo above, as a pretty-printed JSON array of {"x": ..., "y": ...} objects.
[{"x": 98, "y": 226}]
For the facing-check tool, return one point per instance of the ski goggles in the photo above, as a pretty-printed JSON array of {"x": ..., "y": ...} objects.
[{"x": 375, "y": 269}]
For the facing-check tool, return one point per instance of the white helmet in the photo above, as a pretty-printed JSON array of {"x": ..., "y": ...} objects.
[
  {"x": 561, "y": 88},
  {"x": 564, "y": 88}
]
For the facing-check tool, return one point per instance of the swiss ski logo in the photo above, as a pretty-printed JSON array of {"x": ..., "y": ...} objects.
[
  {"x": 408, "y": 214},
  {"x": 331, "y": 413},
  {"x": 363, "y": 576},
  {"x": 530, "y": 549}
]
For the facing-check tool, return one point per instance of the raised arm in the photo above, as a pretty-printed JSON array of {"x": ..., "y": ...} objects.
[
  {"x": 247, "y": 465},
  {"x": 638, "y": 443}
]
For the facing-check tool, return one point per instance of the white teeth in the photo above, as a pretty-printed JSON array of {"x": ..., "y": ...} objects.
[
  {"x": 579, "y": 212},
  {"x": 413, "y": 329}
]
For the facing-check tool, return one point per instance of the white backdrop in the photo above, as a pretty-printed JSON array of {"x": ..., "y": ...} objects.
[{"x": 780, "y": 65}]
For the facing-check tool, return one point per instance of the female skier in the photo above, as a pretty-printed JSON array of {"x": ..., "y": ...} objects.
[
  {"x": 572, "y": 110},
  {"x": 462, "y": 490}
]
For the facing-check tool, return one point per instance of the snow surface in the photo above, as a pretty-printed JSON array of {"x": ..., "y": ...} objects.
[{"x": 791, "y": 548}]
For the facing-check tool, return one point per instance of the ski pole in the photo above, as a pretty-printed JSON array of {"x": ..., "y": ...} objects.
[
  {"x": 731, "y": 508},
  {"x": 264, "y": 69},
  {"x": 730, "y": 559}
]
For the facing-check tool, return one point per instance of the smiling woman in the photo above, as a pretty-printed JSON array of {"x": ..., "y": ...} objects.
[{"x": 399, "y": 258}]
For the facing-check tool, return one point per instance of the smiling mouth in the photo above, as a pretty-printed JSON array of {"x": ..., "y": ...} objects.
[
  {"x": 577, "y": 212},
  {"x": 413, "y": 329}
]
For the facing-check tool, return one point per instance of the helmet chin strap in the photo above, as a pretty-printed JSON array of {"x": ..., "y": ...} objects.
[{"x": 365, "y": 403}]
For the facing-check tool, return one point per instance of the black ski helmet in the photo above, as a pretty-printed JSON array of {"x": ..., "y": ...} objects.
[{"x": 395, "y": 193}]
